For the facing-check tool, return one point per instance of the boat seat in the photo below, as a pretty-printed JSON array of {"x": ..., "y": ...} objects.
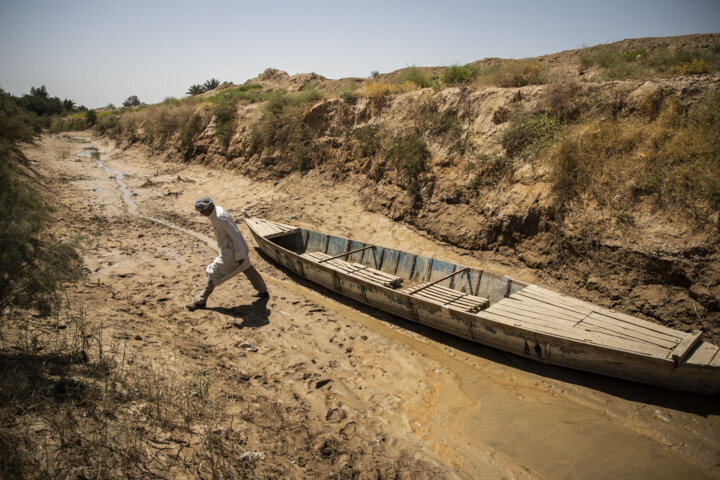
[
  {"x": 447, "y": 297},
  {"x": 357, "y": 270}
]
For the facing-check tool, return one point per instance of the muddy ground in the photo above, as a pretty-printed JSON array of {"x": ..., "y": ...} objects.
[{"x": 320, "y": 387}]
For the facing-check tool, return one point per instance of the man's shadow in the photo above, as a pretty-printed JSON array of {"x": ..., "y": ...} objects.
[{"x": 254, "y": 315}]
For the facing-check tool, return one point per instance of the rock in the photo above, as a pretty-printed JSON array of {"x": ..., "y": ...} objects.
[
  {"x": 593, "y": 283},
  {"x": 248, "y": 347},
  {"x": 708, "y": 297},
  {"x": 254, "y": 455}
]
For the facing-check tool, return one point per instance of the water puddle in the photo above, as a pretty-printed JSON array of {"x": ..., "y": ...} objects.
[{"x": 94, "y": 154}]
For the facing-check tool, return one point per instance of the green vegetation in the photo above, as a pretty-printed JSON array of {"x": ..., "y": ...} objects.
[
  {"x": 32, "y": 266},
  {"x": 460, "y": 74},
  {"x": 283, "y": 129},
  {"x": 513, "y": 73},
  {"x": 249, "y": 93},
  {"x": 211, "y": 84},
  {"x": 616, "y": 64},
  {"x": 132, "y": 101},
  {"x": 417, "y": 76},
  {"x": 409, "y": 155},
  {"x": 195, "y": 89},
  {"x": 528, "y": 136},
  {"x": 279, "y": 101}
]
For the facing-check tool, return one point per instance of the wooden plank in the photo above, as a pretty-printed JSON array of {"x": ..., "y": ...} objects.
[
  {"x": 669, "y": 333},
  {"x": 448, "y": 297},
  {"x": 439, "y": 292},
  {"x": 558, "y": 302},
  {"x": 355, "y": 270},
  {"x": 268, "y": 229},
  {"x": 577, "y": 335},
  {"x": 581, "y": 306},
  {"x": 531, "y": 308},
  {"x": 596, "y": 321},
  {"x": 532, "y": 318},
  {"x": 505, "y": 319},
  {"x": 428, "y": 285},
  {"x": 703, "y": 354},
  {"x": 685, "y": 346},
  {"x": 547, "y": 306}
]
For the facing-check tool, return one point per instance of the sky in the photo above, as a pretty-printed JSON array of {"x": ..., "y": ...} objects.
[{"x": 98, "y": 52}]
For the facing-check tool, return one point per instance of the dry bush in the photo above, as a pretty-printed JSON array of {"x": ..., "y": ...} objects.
[
  {"x": 378, "y": 90},
  {"x": 672, "y": 159},
  {"x": 513, "y": 73}
]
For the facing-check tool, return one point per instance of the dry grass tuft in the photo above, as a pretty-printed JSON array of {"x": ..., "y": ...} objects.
[{"x": 671, "y": 154}]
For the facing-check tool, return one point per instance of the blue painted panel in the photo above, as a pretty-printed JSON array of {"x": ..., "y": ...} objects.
[
  {"x": 303, "y": 247},
  {"x": 489, "y": 286},
  {"x": 406, "y": 265},
  {"x": 389, "y": 261},
  {"x": 464, "y": 282},
  {"x": 336, "y": 246},
  {"x": 440, "y": 269},
  {"x": 371, "y": 257},
  {"x": 316, "y": 242},
  {"x": 355, "y": 257},
  {"x": 421, "y": 269}
]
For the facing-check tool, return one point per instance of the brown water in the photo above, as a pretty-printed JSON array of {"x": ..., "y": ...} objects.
[{"x": 485, "y": 410}]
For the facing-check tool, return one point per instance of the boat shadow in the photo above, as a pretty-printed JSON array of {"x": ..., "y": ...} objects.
[{"x": 627, "y": 390}]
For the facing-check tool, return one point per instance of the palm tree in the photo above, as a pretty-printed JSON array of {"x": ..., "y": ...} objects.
[
  {"x": 210, "y": 84},
  {"x": 195, "y": 89}
]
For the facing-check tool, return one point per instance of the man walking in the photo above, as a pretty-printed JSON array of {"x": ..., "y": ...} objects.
[{"x": 233, "y": 258}]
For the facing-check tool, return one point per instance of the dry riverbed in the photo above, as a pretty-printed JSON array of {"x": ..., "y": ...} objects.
[{"x": 307, "y": 384}]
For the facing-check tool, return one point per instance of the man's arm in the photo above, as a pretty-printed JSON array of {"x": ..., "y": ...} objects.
[{"x": 238, "y": 241}]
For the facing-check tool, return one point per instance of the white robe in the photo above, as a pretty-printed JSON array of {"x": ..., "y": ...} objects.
[{"x": 234, "y": 252}]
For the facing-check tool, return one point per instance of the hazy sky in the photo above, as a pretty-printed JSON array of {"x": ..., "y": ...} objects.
[{"x": 98, "y": 52}]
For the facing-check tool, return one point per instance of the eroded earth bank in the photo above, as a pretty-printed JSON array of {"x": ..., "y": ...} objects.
[{"x": 307, "y": 384}]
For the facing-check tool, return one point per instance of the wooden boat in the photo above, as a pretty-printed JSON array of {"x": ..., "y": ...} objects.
[{"x": 495, "y": 310}]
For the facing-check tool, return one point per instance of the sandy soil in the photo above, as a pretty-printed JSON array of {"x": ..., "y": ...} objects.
[{"x": 373, "y": 394}]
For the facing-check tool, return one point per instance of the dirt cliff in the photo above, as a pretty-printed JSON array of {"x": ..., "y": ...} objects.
[{"x": 454, "y": 162}]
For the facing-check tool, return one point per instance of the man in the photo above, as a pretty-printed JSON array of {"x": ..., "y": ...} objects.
[{"x": 233, "y": 258}]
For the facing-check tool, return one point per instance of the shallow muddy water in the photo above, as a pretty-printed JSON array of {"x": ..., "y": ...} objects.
[{"x": 480, "y": 405}]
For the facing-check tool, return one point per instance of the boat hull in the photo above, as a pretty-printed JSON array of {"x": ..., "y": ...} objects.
[{"x": 484, "y": 328}]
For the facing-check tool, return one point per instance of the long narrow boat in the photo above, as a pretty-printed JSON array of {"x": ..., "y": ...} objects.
[{"x": 496, "y": 310}]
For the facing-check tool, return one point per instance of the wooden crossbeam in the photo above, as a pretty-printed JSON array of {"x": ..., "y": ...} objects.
[
  {"x": 346, "y": 253},
  {"x": 685, "y": 346},
  {"x": 423, "y": 287}
]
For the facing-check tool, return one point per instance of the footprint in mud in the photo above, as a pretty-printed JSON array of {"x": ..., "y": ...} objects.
[
  {"x": 349, "y": 428},
  {"x": 335, "y": 415}
]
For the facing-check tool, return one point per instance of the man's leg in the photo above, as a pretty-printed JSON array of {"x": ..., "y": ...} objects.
[
  {"x": 201, "y": 299},
  {"x": 257, "y": 281}
]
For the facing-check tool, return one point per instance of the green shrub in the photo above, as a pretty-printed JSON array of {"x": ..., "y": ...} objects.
[
  {"x": 91, "y": 117},
  {"x": 415, "y": 75},
  {"x": 513, "y": 73},
  {"x": 367, "y": 140},
  {"x": 225, "y": 116},
  {"x": 529, "y": 136},
  {"x": 69, "y": 123},
  {"x": 132, "y": 101},
  {"x": 460, "y": 74},
  {"x": 248, "y": 93},
  {"x": 281, "y": 100},
  {"x": 32, "y": 266},
  {"x": 641, "y": 63},
  {"x": 409, "y": 155},
  {"x": 189, "y": 133}
]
